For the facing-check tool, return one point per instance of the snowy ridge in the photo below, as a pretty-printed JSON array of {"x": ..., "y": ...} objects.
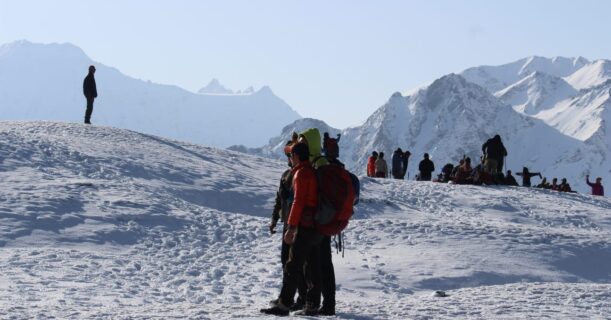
[
  {"x": 275, "y": 147},
  {"x": 545, "y": 92},
  {"x": 591, "y": 75},
  {"x": 216, "y": 88},
  {"x": 105, "y": 223},
  {"x": 495, "y": 78},
  {"x": 44, "y": 82},
  {"x": 536, "y": 92}
]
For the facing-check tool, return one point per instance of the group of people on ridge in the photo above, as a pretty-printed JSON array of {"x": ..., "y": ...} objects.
[
  {"x": 305, "y": 253},
  {"x": 489, "y": 171},
  {"x": 377, "y": 166}
]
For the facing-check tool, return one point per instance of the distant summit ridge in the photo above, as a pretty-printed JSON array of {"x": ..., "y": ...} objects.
[{"x": 215, "y": 87}]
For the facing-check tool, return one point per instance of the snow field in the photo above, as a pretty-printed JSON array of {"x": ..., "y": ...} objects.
[{"x": 101, "y": 223}]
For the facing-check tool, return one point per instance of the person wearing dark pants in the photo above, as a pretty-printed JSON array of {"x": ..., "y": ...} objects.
[
  {"x": 426, "y": 168},
  {"x": 284, "y": 199},
  {"x": 327, "y": 277},
  {"x": 90, "y": 91},
  {"x": 304, "y": 252},
  {"x": 302, "y": 236}
]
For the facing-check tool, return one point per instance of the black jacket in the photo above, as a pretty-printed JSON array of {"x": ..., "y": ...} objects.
[
  {"x": 526, "y": 177},
  {"x": 89, "y": 87},
  {"x": 284, "y": 196},
  {"x": 494, "y": 149},
  {"x": 426, "y": 167},
  {"x": 511, "y": 181}
]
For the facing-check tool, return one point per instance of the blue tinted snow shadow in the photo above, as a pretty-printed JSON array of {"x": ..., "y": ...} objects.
[
  {"x": 25, "y": 225},
  {"x": 476, "y": 279},
  {"x": 226, "y": 200},
  {"x": 591, "y": 262}
]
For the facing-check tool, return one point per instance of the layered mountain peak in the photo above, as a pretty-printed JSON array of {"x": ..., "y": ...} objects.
[
  {"x": 591, "y": 75},
  {"x": 454, "y": 94},
  {"x": 536, "y": 92},
  {"x": 265, "y": 90},
  {"x": 557, "y": 66},
  {"x": 495, "y": 78},
  {"x": 215, "y": 87}
]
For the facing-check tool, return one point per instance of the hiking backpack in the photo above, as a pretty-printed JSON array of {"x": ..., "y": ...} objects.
[{"x": 337, "y": 193}]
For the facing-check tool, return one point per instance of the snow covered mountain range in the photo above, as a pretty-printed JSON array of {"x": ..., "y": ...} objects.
[
  {"x": 554, "y": 116},
  {"x": 105, "y": 223},
  {"x": 44, "y": 82}
]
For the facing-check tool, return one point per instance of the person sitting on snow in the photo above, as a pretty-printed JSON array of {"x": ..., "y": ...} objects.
[{"x": 510, "y": 180}]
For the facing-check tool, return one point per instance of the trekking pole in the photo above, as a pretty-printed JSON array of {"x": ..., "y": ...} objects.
[{"x": 341, "y": 246}]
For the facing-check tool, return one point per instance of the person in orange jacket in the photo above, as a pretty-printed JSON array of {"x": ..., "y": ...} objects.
[
  {"x": 302, "y": 237},
  {"x": 371, "y": 164}
]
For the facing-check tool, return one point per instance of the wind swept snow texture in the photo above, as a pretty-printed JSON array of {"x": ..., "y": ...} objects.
[{"x": 103, "y": 223}]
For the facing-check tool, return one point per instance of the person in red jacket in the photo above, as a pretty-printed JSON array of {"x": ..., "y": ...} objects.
[
  {"x": 302, "y": 237},
  {"x": 371, "y": 164},
  {"x": 597, "y": 188}
]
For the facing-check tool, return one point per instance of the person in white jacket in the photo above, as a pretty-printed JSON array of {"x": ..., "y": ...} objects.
[{"x": 381, "y": 166}]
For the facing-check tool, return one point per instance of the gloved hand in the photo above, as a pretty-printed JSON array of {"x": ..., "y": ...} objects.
[{"x": 272, "y": 227}]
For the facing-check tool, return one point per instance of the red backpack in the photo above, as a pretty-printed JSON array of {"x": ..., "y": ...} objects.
[{"x": 336, "y": 196}]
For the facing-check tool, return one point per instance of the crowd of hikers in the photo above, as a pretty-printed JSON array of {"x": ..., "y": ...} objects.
[
  {"x": 314, "y": 202},
  {"x": 488, "y": 172}
]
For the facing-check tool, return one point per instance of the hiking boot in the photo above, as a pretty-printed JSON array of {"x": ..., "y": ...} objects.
[
  {"x": 326, "y": 311},
  {"x": 307, "y": 312},
  {"x": 277, "y": 309},
  {"x": 298, "y": 305}
]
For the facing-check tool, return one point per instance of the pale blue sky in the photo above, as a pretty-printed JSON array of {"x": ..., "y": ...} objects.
[{"x": 337, "y": 61}]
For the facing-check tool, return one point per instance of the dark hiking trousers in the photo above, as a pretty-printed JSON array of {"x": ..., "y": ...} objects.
[
  {"x": 328, "y": 273},
  {"x": 306, "y": 249},
  {"x": 301, "y": 285},
  {"x": 89, "y": 110}
]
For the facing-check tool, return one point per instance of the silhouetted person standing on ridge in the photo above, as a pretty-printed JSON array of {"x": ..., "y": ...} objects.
[
  {"x": 90, "y": 91},
  {"x": 495, "y": 152},
  {"x": 426, "y": 168}
]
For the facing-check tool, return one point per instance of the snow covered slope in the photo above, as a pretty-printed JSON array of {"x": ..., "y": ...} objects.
[
  {"x": 536, "y": 92},
  {"x": 104, "y": 223},
  {"x": 44, "y": 82},
  {"x": 592, "y": 74}
]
